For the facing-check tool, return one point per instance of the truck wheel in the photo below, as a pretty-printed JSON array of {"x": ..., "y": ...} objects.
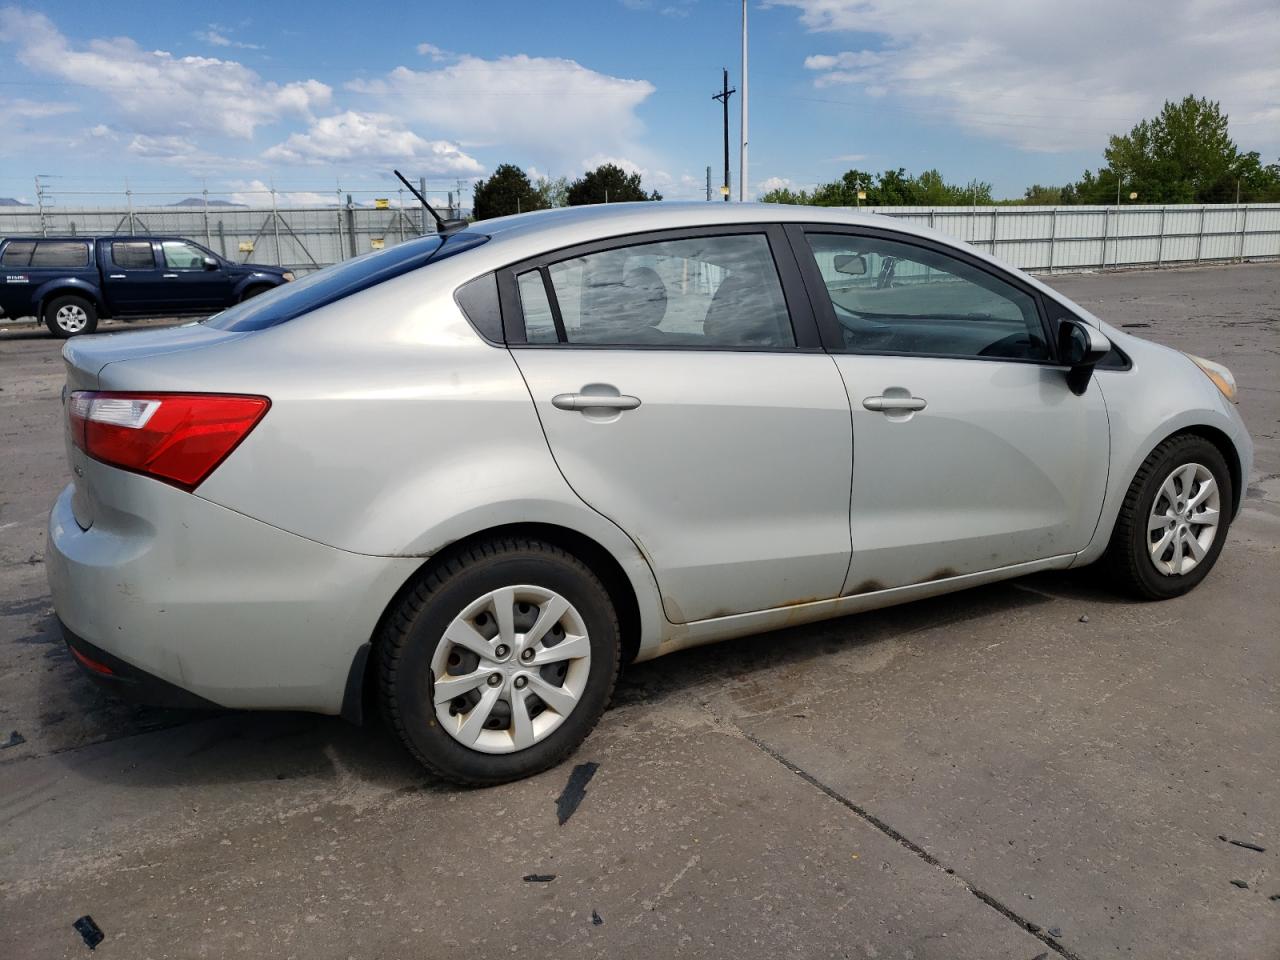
[
  {"x": 70, "y": 316},
  {"x": 498, "y": 663}
]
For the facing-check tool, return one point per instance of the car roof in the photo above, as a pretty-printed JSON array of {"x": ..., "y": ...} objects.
[{"x": 85, "y": 237}]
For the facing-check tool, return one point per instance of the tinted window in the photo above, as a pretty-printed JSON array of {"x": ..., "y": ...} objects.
[
  {"x": 896, "y": 298},
  {"x": 60, "y": 253},
  {"x": 182, "y": 256},
  {"x": 539, "y": 323},
  {"x": 133, "y": 254},
  {"x": 341, "y": 280},
  {"x": 719, "y": 291},
  {"x": 17, "y": 253}
]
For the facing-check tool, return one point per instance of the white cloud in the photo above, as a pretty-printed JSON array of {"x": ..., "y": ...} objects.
[
  {"x": 155, "y": 92},
  {"x": 435, "y": 53},
  {"x": 256, "y": 193},
  {"x": 217, "y": 36},
  {"x": 1046, "y": 77},
  {"x": 371, "y": 138},
  {"x": 773, "y": 183},
  {"x": 550, "y": 110}
]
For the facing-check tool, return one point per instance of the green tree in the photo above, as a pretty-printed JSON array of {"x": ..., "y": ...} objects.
[
  {"x": 553, "y": 191},
  {"x": 1041, "y": 196},
  {"x": 608, "y": 183},
  {"x": 1183, "y": 155},
  {"x": 507, "y": 191},
  {"x": 893, "y": 188}
]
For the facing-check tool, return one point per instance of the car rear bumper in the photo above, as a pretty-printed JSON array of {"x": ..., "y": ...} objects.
[
  {"x": 207, "y": 602},
  {"x": 127, "y": 681}
]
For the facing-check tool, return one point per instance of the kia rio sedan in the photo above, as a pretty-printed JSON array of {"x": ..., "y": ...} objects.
[{"x": 465, "y": 479}]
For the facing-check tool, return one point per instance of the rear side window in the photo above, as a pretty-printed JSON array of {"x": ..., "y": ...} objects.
[
  {"x": 17, "y": 253},
  {"x": 133, "y": 254},
  {"x": 60, "y": 253},
  {"x": 331, "y": 284},
  {"x": 718, "y": 291}
]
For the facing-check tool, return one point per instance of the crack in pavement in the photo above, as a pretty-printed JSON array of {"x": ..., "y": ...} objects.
[{"x": 871, "y": 819}]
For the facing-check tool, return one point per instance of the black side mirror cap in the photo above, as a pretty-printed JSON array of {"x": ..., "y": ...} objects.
[{"x": 1080, "y": 347}]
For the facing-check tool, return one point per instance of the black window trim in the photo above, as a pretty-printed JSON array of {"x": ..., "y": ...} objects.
[
  {"x": 796, "y": 298},
  {"x": 824, "y": 312}
]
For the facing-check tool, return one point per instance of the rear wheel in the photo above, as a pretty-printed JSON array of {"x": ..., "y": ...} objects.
[
  {"x": 500, "y": 662},
  {"x": 1173, "y": 521},
  {"x": 70, "y": 316}
]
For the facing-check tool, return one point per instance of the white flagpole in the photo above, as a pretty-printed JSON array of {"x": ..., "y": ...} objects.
[{"x": 742, "y": 173}]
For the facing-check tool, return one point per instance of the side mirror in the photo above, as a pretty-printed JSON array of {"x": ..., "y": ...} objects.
[
  {"x": 851, "y": 264},
  {"x": 210, "y": 263},
  {"x": 1080, "y": 347}
]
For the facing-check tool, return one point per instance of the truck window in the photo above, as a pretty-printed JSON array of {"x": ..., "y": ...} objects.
[
  {"x": 133, "y": 254},
  {"x": 17, "y": 253},
  {"x": 60, "y": 253},
  {"x": 182, "y": 256}
]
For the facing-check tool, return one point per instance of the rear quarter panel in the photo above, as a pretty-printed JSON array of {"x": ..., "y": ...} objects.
[{"x": 394, "y": 430}]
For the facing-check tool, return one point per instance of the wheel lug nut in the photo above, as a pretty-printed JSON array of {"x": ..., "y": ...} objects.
[
  {"x": 495, "y": 679},
  {"x": 521, "y": 682},
  {"x": 527, "y": 654},
  {"x": 502, "y": 650}
]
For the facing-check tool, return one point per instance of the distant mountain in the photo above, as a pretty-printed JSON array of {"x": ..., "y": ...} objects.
[
  {"x": 10, "y": 202},
  {"x": 198, "y": 202}
]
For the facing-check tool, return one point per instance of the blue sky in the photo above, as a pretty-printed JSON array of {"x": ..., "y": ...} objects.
[{"x": 242, "y": 95}]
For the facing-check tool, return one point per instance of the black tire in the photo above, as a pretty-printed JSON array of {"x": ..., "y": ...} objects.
[
  {"x": 414, "y": 629},
  {"x": 252, "y": 292},
  {"x": 70, "y": 300},
  {"x": 1128, "y": 557}
]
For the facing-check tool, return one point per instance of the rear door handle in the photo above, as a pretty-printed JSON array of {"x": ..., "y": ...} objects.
[
  {"x": 115, "y": 276},
  {"x": 171, "y": 276},
  {"x": 894, "y": 403},
  {"x": 587, "y": 401}
]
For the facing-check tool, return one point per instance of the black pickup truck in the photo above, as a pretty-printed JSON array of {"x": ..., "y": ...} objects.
[{"x": 69, "y": 282}]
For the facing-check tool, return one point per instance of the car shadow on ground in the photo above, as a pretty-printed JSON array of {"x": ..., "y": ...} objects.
[{"x": 247, "y": 747}]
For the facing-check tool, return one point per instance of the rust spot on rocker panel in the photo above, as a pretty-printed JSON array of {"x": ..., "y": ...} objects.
[{"x": 866, "y": 586}]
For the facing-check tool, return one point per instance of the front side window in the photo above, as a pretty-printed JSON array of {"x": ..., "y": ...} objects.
[
  {"x": 133, "y": 254},
  {"x": 718, "y": 291},
  {"x": 891, "y": 297},
  {"x": 60, "y": 253},
  {"x": 182, "y": 256}
]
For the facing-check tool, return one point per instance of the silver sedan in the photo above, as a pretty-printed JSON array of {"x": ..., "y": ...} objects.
[{"x": 469, "y": 477}]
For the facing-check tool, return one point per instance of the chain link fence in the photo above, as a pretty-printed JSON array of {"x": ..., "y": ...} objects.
[{"x": 1037, "y": 239}]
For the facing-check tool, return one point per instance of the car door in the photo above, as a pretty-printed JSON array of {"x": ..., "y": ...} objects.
[
  {"x": 192, "y": 285},
  {"x": 971, "y": 452},
  {"x": 685, "y": 396},
  {"x": 133, "y": 277}
]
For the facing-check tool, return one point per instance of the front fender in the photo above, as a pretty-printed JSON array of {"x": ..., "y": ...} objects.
[
  {"x": 1162, "y": 395},
  {"x": 255, "y": 280}
]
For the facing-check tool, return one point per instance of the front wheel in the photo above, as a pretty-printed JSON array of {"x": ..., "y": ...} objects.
[
  {"x": 500, "y": 662},
  {"x": 70, "y": 316},
  {"x": 1173, "y": 521}
]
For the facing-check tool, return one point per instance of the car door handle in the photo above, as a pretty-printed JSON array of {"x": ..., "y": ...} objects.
[
  {"x": 115, "y": 276},
  {"x": 171, "y": 276},
  {"x": 588, "y": 401},
  {"x": 894, "y": 403}
]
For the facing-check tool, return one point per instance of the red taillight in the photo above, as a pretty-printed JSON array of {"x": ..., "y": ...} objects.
[{"x": 175, "y": 437}]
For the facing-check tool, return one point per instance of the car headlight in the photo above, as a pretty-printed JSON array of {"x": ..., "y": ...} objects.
[
  {"x": 288, "y": 276},
  {"x": 1220, "y": 375}
]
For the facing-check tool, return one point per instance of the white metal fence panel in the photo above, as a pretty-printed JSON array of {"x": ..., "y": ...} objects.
[{"x": 1038, "y": 239}]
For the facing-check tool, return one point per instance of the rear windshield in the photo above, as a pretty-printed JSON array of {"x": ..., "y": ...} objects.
[{"x": 326, "y": 286}]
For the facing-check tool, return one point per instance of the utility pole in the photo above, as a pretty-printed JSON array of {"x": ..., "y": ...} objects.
[
  {"x": 723, "y": 96},
  {"x": 742, "y": 104},
  {"x": 708, "y": 183}
]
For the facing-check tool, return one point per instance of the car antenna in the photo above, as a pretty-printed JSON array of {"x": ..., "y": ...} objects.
[{"x": 443, "y": 226}]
